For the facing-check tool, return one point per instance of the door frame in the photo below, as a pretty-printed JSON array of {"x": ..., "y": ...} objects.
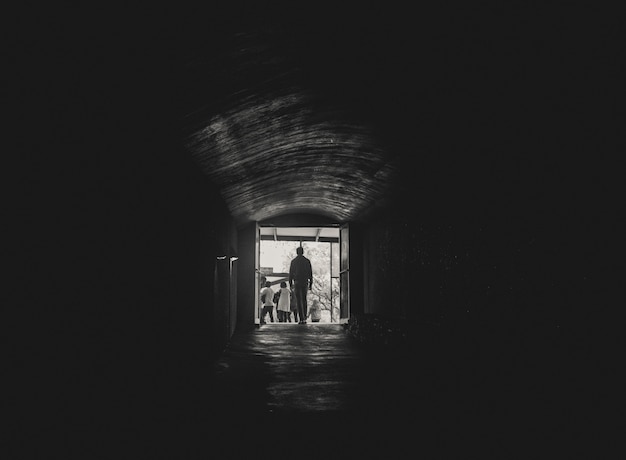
[{"x": 344, "y": 300}]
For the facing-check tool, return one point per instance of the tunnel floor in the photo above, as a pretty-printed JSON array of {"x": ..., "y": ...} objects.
[
  {"x": 291, "y": 386},
  {"x": 282, "y": 387}
]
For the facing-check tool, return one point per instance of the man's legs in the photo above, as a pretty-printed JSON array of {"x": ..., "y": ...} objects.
[
  {"x": 300, "y": 289},
  {"x": 305, "y": 291}
]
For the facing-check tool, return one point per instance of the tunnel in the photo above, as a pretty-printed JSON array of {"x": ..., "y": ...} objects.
[{"x": 465, "y": 154}]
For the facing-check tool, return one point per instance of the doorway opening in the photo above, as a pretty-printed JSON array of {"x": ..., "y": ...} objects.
[{"x": 323, "y": 246}]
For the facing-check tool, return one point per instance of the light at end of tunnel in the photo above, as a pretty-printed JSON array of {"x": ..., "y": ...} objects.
[
  {"x": 233, "y": 258},
  {"x": 221, "y": 257}
]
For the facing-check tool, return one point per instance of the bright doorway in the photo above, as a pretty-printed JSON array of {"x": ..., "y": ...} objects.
[{"x": 323, "y": 246}]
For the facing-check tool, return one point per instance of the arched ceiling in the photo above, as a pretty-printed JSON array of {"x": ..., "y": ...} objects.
[
  {"x": 335, "y": 111},
  {"x": 277, "y": 141},
  {"x": 279, "y": 151}
]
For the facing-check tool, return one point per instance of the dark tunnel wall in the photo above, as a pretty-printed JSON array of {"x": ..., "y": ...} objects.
[
  {"x": 115, "y": 252},
  {"x": 450, "y": 271},
  {"x": 511, "y": 293},
  {"x": 131, "y": 304},
  {"x": 518, "y": 251}
]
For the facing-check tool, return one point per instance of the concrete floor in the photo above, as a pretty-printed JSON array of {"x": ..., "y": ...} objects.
[
  {"x": 312, "y": 388},
  {"x": 291, "y": 386}
]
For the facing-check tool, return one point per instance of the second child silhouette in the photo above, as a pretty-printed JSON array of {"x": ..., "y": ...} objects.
[{"x": 283, "y": 305}]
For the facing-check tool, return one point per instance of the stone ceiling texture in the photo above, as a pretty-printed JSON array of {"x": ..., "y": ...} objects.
[
  {"x": 278, "y": 141},
  {"x": 336, "y": 111}
]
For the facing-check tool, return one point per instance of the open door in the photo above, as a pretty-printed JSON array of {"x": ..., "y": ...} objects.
[
  {"x": 258, "y": 277},
  {"x": 344, "y": 273}
]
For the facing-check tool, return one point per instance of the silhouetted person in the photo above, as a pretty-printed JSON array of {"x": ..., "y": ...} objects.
[
  {"x": 282, "y": 305},
  {"x": 267, "y": 295},
  {"x": 300, "y": 278}
]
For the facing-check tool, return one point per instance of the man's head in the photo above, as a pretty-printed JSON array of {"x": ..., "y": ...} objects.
[
  {"x": 268, "y": 284},
  {"x": 299, "y": 250}
]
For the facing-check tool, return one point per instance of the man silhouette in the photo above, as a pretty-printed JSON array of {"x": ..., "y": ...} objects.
[{"x": 300, "y": 277}]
